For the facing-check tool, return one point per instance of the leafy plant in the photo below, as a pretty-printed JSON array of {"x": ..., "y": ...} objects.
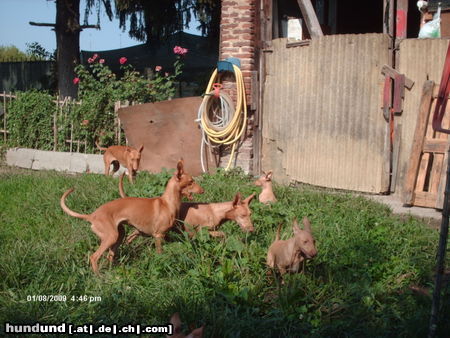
[
  {"x": 31, "y": 116},
  {"x": 30, "y": 120}
]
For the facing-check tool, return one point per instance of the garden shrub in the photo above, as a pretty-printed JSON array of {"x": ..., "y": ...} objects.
[{"x": 30, "y": 118}]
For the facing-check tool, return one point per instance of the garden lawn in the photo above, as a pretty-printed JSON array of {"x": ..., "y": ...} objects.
[{"x": 359, "y": 285}]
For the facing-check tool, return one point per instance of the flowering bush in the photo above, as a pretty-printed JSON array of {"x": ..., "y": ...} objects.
[
  {"x": 99, "y": 88},
  {"x": 33, "y": 113}
]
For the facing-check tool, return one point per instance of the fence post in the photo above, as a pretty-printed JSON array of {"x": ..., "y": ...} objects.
[
  {"x": 71, "y": 135},
  {"x": 55, "y": 127},
  {"x": 4, "y": 115}
]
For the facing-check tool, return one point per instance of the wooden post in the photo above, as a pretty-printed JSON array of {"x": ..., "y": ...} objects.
[
  {"x": 418, "y": 141},
  {"x": 4, "y": 116},
  {"x": 310, "y": 18},
  {"x": 55, "y": 127},
  {"x": 401, "y": 19},
  {"x": 71, "y": 135}
]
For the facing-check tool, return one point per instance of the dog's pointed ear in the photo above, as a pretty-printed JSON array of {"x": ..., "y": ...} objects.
[
  {"x": 180, "y": 168},
  {"x": 249, "y": 198},
  {"x": 269, "y": 175},
  {"x": 295, "y": 227},
  {"x": 176, "y": 322},
  {"x": 237, "y": 199},
  {"x": 197, "y": 333},
  {"x": 141, "y": 148},
  {"x": 307, "y": 224}
]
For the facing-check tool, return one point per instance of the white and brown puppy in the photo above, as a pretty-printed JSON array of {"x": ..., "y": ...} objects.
[{"x": 286, "y": 255}]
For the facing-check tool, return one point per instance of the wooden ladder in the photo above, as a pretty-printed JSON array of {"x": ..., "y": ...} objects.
[{"x": 425, "y": 177}]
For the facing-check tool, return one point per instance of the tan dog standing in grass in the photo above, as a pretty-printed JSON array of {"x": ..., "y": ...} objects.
[
  {"x": 286, "y": 255},
  {"x": 176, "y": 322},
  {"x": 124, "y": 155},
  {"x": 152, "y": 216},
  {"x": 209, "y": 215},
  {"x": 265, "y": 181}
]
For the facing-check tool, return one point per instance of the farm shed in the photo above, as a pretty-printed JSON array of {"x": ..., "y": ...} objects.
[{"x": 337, "y": 105}]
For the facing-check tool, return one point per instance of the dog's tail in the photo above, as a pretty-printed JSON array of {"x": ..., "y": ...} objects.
[
  {"x": 99, "y": 147},
  {"x": 277, "y": 238},
  {"x": 121, "y": 192},
  {"x": 66, "y": 208}
]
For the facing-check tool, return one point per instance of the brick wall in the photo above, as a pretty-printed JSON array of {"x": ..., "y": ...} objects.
[{"x": 238, "y": 39}]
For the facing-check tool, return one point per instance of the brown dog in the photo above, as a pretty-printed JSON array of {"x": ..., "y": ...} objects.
[
  {"x": 176, "y": 322},
  {"x": 213, "y": 215},
  {"x": 286, "y": 255},
  {"x": 265, "y": 181},
  {"x": 152, "y": 216},
  {"x": 124, "y": 155},
  {"x": 209, "y": 215}
]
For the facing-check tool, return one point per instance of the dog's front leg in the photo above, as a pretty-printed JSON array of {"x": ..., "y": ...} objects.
[
  {"x": 130, "y": 175},
  {"x": 158, "y": 242}
]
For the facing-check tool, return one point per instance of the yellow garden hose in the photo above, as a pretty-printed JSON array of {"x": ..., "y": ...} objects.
[{"x": 219, "y": 125}]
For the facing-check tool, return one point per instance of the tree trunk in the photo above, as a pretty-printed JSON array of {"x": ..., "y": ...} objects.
[{"x": 67, "y": 31}]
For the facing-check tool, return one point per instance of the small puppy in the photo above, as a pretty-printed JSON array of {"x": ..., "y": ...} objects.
[
  {"x": 176, "y": 322},
  {"x": 265, "y": 181},
  {"x": 286, "y": 255},
  {"x": 127, "y": 156}
]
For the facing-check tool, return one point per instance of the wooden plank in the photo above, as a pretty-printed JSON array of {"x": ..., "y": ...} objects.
[
  {"x": 386, "y": 70},
  {"x": 441, "y": 189},
  {"x": 435, "y": 173},
  {"x": 395, "y": 155},
  {"x": 418, "y": 141},
  {"x": 425, "y": 199},
  {"x": 312, "y": 23},
  {"x": 422, "y": 173},
  {"x": 401, "y": 19},
  {"x": 435, "y": 146}
]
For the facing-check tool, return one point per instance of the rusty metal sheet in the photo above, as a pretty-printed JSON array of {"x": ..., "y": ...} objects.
[
  {"x": 322, "y": 117},
  {"x": 168, "y": 131}
]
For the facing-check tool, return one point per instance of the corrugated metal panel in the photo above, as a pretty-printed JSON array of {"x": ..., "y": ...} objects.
[
  {"x": 322, "y": 121},
  {"x": 420, "y": 60}
]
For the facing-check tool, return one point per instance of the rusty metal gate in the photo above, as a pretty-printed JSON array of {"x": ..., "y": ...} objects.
[{"x": 322, "y": 122}]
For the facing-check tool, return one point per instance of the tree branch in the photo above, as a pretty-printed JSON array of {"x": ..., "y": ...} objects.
[
  {"x": 42, "y": 24},
  {"x": 54, "y": 25}
]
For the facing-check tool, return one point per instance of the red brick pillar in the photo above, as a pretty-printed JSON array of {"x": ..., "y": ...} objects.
[{"x": 238, "y": 39}]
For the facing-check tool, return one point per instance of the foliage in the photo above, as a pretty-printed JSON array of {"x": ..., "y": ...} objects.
[
  {"x": 156, "y": 20},
  {"x": 30, "y": 120},
  {"x": 12, "y": 53},
  {"x": 359, "y": 284},
  {"x": 36, "y": 51},
  {"x": 100, "y": 88},
  {"x": 31, "y": 114}
]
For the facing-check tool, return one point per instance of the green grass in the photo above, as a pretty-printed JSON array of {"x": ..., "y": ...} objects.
[{"x": 357, "y": 286}]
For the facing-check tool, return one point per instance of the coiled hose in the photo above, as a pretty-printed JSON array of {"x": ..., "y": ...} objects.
[{"x": 218, "y": 124}]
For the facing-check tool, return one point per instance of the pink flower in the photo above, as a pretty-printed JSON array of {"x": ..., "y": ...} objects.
[
  {"x": 158, "y": 68},
  {"x": 123, "y": 60},
  {"x": 91, "y": 60},
  {"x": 85, "y": 122},
  {"x": 94, "y": 57},
  {"x": 76, "y": 80},
  {"x": 180, "y": 50},
  {"x": 101, "y": 61}
]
